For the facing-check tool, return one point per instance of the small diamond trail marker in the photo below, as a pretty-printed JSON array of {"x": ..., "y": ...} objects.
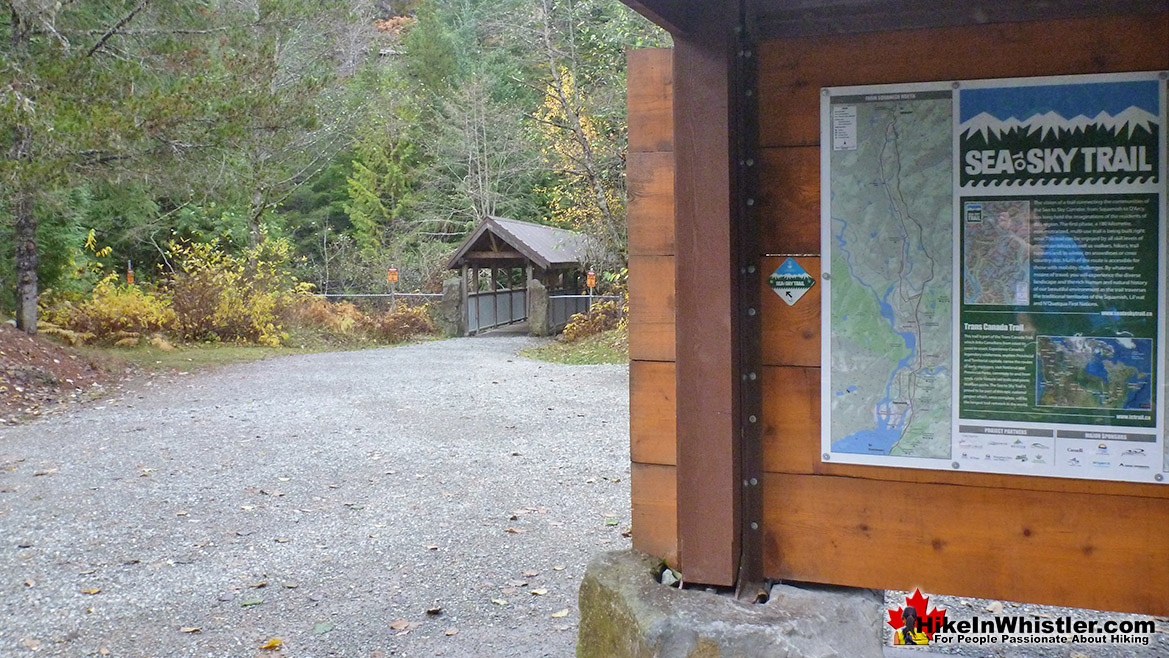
[{"x": 790, "y": 281}]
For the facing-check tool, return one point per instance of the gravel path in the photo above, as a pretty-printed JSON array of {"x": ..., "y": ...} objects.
[{"x": 328, "y": 500}]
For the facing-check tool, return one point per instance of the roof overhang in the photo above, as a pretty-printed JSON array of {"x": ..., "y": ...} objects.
[
  {"x": 490, "y": 226},
  {"x": 507, "y": 247},
  {"x": 772, "y": 19}
]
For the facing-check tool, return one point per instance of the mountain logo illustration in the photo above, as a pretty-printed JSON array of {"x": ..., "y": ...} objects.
[{"x": 1076, "y": 134}]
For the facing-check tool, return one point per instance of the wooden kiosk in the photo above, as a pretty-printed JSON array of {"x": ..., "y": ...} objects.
[{"x": 725, "y": 184}]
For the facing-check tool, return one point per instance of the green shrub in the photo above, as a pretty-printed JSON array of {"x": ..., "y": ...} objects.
[
  {"x": 601, "y": 317},
  {"x": 115, "y": 310},
  {"x": 402, "y": 323},
  {"x": 218, "y": 297}
]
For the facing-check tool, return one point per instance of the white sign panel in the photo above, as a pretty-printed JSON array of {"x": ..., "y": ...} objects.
[{"x": 996, "y": 290}]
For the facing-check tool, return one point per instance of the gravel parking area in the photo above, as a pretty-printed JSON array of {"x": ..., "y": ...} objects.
[{"x": 438, "y": 499}]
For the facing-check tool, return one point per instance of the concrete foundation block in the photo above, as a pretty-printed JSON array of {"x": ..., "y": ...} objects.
[{"x": 627, "y": 613}]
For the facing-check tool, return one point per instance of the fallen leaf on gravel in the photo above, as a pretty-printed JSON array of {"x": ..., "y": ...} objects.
[
  {"x": 559, "y": 614},
  {"x": 94, "y": 590},
  {"x": 290, "y": 585},
  {"x": 284, "y": 479},
  {"x": 432, "y": 548},
  {"x": 399, "y": 624},
  {"x": 322, "y": 628},
  {"x": 515, "y": 531},
  {"x": 282, "y": 540},
  {"x": 274, "y": 494},
  {"x": 517, "y": 583},
  {"x": 250, "y": 602},
  {"x": 499, "y": 601},
  {"x": 30, "y": 643},
  {"x": 48, "y": 472},
  {"x": 531, "y": 574},
  {"x": 559, "y": 568},
  {"x": 612, "y": 522},
  {"x": 995, "y": 607},
  {"x": 452, "y": 631},
  {"x": 262, "y": 583},
  {"x": 508, "y": 591},
  {"x": 274, "y": 643},
  {"x": 436, "y": 610},
  {"x": 104, "y": 651},
  {"x": 247, "y": 508},
  {"x": 30, "y": 583},
  {"x": 87, "y": 572},
  {"x": 190, "y": 629},
  {"x": 180, "y": 513},
  {"x": 539, "y": 592}
]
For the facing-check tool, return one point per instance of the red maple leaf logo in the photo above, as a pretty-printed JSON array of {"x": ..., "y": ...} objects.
[{"x": 931, "y": 621}]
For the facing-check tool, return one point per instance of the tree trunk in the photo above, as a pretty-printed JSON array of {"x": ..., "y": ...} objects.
[{"x": 26, "y": 262}]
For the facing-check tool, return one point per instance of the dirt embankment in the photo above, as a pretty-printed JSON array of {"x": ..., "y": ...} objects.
[{"x": 37, "y": 375}]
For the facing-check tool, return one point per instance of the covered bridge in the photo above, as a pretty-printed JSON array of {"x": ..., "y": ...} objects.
[{"x": 498, "y": 264}]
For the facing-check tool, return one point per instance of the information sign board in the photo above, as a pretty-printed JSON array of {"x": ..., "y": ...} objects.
[{"x": 996, "y": 289}]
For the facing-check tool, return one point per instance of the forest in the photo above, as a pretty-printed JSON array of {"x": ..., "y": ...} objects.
[{"x": 302, "y": 145}]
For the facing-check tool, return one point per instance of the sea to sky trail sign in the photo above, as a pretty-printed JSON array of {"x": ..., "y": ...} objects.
[
  {"x": 790, "y": 281},
  {"x": 727, "y": 417},
  {"x": 997, "y": 258}
]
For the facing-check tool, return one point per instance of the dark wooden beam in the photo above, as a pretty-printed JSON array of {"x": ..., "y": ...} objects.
[
  {"x": 678, "y": 17},
  {"x": 803, "y": 18},
  {"x": 494, "y": 255},
  {"x": 709, "y": 506}
]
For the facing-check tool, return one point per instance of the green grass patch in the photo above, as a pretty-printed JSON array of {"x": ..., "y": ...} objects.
[
  {"x": 606, "y": 347},
  {"x": 184, "y": 358}
]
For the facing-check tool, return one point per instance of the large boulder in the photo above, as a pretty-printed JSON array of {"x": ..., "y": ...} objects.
[{"x": 627, "y": 613}]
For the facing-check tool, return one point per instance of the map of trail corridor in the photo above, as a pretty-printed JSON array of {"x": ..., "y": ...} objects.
[{"x": 892, "y": 274}]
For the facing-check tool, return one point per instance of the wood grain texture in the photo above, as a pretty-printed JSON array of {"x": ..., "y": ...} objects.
[
  {"x": 708, "y": 401},
  {"x": 791, "y": 419},
  {"x": 650, "y": 203},
  {"x": 650, "y": 99},
  {"x": 1044, "y": 547},
  {"x": 789, "y": 208},
  {"x": 793, "y": 71},
  {"x": 651, "y": 308},
  {"x": 652, "y": 408},
  {"x": 655, "y": 510}
]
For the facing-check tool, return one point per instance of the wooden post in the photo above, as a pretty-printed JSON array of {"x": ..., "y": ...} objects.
[
  {"x": 466, "y": 310},
  {"x": 709, "y": 504},
  {"x": 527, "y": 296}
]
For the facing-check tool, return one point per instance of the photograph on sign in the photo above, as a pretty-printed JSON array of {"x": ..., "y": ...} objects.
[{"x": 996, "y": 253}]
